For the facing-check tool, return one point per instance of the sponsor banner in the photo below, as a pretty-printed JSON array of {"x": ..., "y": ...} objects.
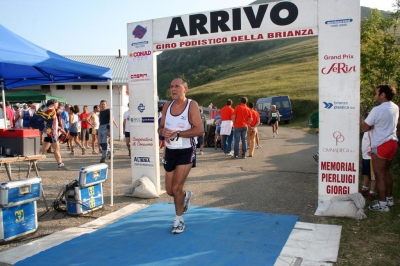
[
  {"x": 143, "y": 161},
  {"x": 142, "y": 77},
  {"x": 140, "y": 120},
  {"x": 339, "y": 99},
  {"x": 337, "y": 105},
  {"x": 337, "y": 144},
  {"x": 142, "y": 106},
  {"x": 140, "y": 35},
  {"x": 140, "y": 55},
  {"x": 267, "y": 21},
  {"x": 139, "y": 142}
]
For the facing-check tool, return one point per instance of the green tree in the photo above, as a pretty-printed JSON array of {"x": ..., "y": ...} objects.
[{"x": 380, "y": 54}]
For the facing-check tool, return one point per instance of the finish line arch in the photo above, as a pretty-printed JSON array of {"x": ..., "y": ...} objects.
[{"x": 337, "y": 24}]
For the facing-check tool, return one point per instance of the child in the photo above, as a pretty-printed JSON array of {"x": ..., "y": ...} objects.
[{"x": 366, "y": 168}]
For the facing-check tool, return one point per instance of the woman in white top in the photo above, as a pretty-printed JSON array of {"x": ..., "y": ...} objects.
[
  {"x": 17, "y": 117},
  {"x": 73, "y": 129}
]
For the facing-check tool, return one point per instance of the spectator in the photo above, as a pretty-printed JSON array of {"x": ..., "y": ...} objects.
[
  {"x": 26, "y": 115},
  {"x": 217, "y": 124},
  {"x": 85, "y": 126},
  {"x": 73, "y": 129},
  {"x": 94, "y": 121},
  {"x": 366, "y": 166},
  {"x": 382, "y": 122},
  {"x": 160, "y": 138},
  {"x": 252, "y": 131},
  {"x": 241, "y": 120},
  {"x": 1, "y": 111},
  {"x": 200, "y": 139},
  {"x": 65, "y": 119},
  {"x": 127, "y": 131},
  {"x": 104, "y": 129},
  {"x": 17, "y": 117},
  {"x": 226, "y": 127},
  {"x": 10, "y": 114},
  {"x": 32, "y": 106}
]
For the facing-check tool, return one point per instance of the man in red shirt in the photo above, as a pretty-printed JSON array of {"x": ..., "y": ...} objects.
[
  {"x": 10, "y": 114},
  {"x": 252, "y": 131},
  {"x": 241, "y": 120},
  {"x": 226, "y": 127},
  {"x": 85, "y": 126}
]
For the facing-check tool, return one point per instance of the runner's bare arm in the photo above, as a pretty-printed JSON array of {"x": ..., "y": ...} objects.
[{"x": 162, "y": 122}]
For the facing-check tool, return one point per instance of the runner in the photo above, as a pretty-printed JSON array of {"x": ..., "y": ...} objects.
[{"x": 180, "y": 124}]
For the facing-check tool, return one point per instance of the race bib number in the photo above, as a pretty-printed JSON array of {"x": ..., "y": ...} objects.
[{"x": 176, "y": 142}]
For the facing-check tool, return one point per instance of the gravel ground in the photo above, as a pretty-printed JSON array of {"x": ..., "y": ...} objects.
[{"x": 281, "y": 178}]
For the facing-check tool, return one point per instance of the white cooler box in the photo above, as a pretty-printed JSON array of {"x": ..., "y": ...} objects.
[
  {"x": 87, "y": 195},
  {"x": 18, "y": 212}
]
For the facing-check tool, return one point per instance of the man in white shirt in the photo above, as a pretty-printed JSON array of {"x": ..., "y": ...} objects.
[{"x": 382, "y": 122}]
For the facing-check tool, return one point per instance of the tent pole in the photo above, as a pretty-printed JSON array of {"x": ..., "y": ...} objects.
[
  {"x": 4, "y": 102},
  {"x": 111, "y": 144}
]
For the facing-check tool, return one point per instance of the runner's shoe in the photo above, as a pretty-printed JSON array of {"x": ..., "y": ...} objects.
[
  {"x": 103, "y": 160},
  {"x": 83, "y": 151},
  {"x": 62, "y": 166},
  {"x": 186, "y": 205},
  {"x": 390, "y": 202},
  {"x": 378, "y": 208},
  {"x": 363, "y": 192},
  {"x": 371, "y": 196},
  {"x": 179, "y": 227}
]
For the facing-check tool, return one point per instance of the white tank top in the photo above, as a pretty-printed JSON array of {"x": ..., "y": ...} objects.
[
  {"x": 179, "y": 122},
  {"x": 95, "y": 120},
  {"x": 75, "y": 118}
]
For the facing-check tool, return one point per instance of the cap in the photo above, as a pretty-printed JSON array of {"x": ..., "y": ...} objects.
[{"x": 51, "y": 101}]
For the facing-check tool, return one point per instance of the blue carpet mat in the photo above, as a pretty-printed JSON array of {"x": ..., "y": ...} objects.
[{"x": 212, "y": 237}]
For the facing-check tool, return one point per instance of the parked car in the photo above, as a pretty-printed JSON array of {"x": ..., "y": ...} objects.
[{"x": 283, "y": 105}]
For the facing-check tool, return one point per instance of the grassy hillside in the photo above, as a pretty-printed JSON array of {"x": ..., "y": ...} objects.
[{"x": 290, "y": 68}]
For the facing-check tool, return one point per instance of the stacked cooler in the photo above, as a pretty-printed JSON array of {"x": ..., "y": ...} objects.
[
  {"x": 86, "y": 194},
  {"x": 18, "y": 213},
  {"x": 22, "y": 142}
]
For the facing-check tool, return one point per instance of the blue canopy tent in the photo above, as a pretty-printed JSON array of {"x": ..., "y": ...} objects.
[{"x": 23, "y": 63}]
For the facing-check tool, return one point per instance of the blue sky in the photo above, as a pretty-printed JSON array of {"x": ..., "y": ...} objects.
[{"x": 98, "y": 27}]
